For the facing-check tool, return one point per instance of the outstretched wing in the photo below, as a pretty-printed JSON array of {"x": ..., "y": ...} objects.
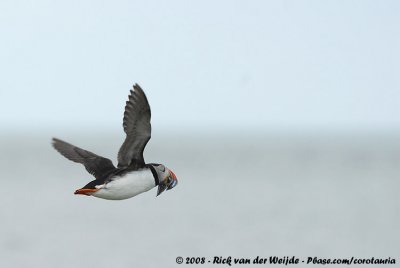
[
  {"x": 98, "y": 166},
  {"x": 137, "y": 128}
]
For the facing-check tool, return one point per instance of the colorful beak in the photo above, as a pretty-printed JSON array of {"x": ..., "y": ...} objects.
[
  {"x": 169, "y": 183},
  {"x": 173, "y": 181}
]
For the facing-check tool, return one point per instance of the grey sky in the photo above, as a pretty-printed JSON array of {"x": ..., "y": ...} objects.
[{"x": 267, "y": 64}]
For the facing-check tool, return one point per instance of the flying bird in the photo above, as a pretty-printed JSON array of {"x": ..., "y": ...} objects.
[{"x": 132, "y": 176}]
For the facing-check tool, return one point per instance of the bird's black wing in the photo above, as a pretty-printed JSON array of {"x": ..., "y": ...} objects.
[
  {"x": 137, "y": 128},
  {"x": 98, "y": 166}
]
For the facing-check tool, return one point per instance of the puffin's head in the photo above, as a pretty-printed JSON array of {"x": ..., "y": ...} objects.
[{"x": 166, "y": 178}]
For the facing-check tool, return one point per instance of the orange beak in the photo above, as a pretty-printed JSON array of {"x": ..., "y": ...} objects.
[
  {"x": 174, "y": 182},
  {"x": 86, "y": 191},
  {"x": 172, "y": 174},
  {"x": 168, "y": 183}
]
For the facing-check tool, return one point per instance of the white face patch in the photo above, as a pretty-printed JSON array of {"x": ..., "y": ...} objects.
[{"x": 162, "y": 172}]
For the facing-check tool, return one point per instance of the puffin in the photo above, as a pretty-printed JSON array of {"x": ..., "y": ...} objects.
[{"x": 132, "y": 176}]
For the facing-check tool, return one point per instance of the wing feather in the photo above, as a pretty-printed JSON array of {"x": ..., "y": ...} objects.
[
  {"x": 98, "y": 166},
  {"x": 137, "y": 127}
]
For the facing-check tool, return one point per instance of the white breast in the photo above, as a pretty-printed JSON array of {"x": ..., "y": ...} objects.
[{"x": 127, "y": 186}]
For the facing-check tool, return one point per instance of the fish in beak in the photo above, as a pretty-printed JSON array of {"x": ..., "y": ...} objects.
[{"x": 168, "y": 183}]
